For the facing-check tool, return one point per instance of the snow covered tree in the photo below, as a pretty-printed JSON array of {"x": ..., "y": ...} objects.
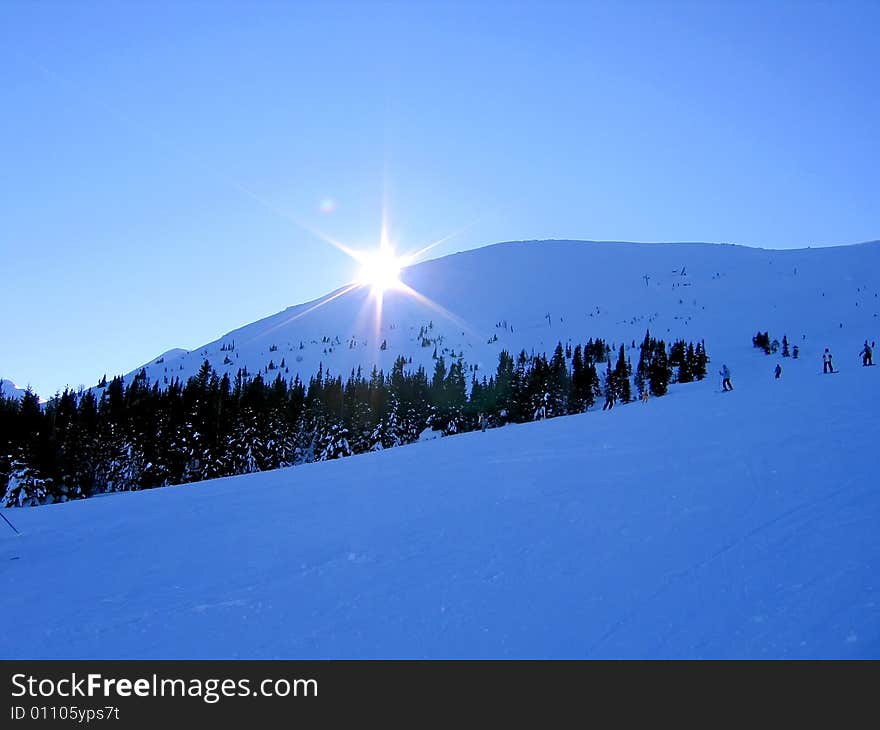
[
  {"x": 123, "y": 470},
  {"x": 390, "y": 431},
  {"x": 246, "y": 445},
  {"x": 26, "y": 487},
  {"x": 687, "y": 365},
  {"x": 333, "y": 444}
]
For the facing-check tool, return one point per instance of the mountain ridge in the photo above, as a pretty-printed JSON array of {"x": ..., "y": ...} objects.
[{"x": 532, "y": 294}]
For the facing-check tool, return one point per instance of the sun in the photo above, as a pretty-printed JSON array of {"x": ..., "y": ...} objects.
[{"x": 380, "y": 269}]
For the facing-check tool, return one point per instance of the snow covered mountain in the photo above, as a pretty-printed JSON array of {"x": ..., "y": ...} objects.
[
  {"x": 531, "y": 295},
  {"x": 700, "y": 524},
  {"x": 8, "y": 389}
]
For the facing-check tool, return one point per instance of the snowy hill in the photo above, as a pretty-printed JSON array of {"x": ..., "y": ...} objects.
[
  {"x": 8, "y": 389},
  {"x": 700, "y": 524},
  {"x": 748, "y": 530},
  {"x": 531, "y": 295}
]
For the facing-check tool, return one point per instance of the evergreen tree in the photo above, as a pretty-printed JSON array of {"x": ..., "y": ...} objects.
[
  {"x": 26, "y": 487},
  {"x": 659, "y": 372},
  {"x": 622, "y": 387},
  {"x": 558, "y": 383},
  {"x": 700, "y": 361},
  {"x": 138, "y": 435},
  {"x": 579, "y": 397},
  {"x": 687, "y": 367}
]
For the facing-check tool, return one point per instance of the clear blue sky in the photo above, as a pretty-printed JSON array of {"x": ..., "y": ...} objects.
[{"x": 136, "y": 137}]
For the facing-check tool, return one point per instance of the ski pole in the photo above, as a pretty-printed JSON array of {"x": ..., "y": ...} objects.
[{"x": 9, "y": 523}]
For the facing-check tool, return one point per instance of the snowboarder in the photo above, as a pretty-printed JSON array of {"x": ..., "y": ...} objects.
[
  {"x": 778, "y": 371},
  {"x": 827, "y": 366},
  {"x": 794, "y": 352},
  {"x": 867, "y": 355},
  {"x": 725, "y": 378},
  {"x": 484, "y": 422},
  {"x": 503, "y": 416},
  {"x": 645, "y": 396}
]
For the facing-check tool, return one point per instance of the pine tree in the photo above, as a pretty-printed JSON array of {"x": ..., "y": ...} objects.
[
  {"x": 645, "y": 355},
  {"x": 140, "y": 435},
  {"x": 700, "y": 361},
  {"x": 26, "y": 487},
  {"x": 558, "y": 383},
  {"x": 762, "y": 341},
  {"x": 688, "y": 365},
  {"x": 580, "y": 385},
  {"x": 334, "y": 444},
  {"x": 622, "y": 386},
  {"x": 659, "y": 372}
]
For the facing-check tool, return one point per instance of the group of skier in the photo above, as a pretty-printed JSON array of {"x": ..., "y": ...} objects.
[{"x": 867, "y": 355}]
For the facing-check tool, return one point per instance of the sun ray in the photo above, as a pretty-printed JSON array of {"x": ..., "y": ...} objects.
[
  {"x": 431, "y": 304},
  {"x": 377, "y": 319},
  {"x": 413, "y": 257},
  {"x": 352, "y": 253},
  {"x": 367, "y": 318},
  {"x": 145, "y": 131},
  {"x": 320, "y": 303}
]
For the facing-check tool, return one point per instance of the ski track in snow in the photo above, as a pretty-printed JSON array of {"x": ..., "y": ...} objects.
[{"x": 691, "y": 570}]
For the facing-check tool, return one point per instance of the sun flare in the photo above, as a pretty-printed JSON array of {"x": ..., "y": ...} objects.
[{"x": 380, "y": 269}]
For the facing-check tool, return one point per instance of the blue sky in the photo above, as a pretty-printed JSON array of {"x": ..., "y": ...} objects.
[{"x": 160, "y": 159}]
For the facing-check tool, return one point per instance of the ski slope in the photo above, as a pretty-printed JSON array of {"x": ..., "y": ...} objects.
[{"x": 700, "y": 524}]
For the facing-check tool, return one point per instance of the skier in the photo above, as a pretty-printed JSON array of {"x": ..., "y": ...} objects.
[
  {"x": 610, "y": 397},
  {"x": 484, "y": 422},
  {"x": 794, "y": 352},
  {"x": 778, "y": 371},
  {"x": 541, "y": 412},
  {"x": 867, "y": 355},
  {"x": 725, "y": 378},
  {"x": 503, "y": 416},
  {"x": 827, "y": 366}
]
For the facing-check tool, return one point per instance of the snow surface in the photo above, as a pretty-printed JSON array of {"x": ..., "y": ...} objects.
[{"x": 700, "y": 524}]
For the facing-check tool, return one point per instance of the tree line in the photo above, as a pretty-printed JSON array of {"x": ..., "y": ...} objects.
[{"x": 140, "y": 435}]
